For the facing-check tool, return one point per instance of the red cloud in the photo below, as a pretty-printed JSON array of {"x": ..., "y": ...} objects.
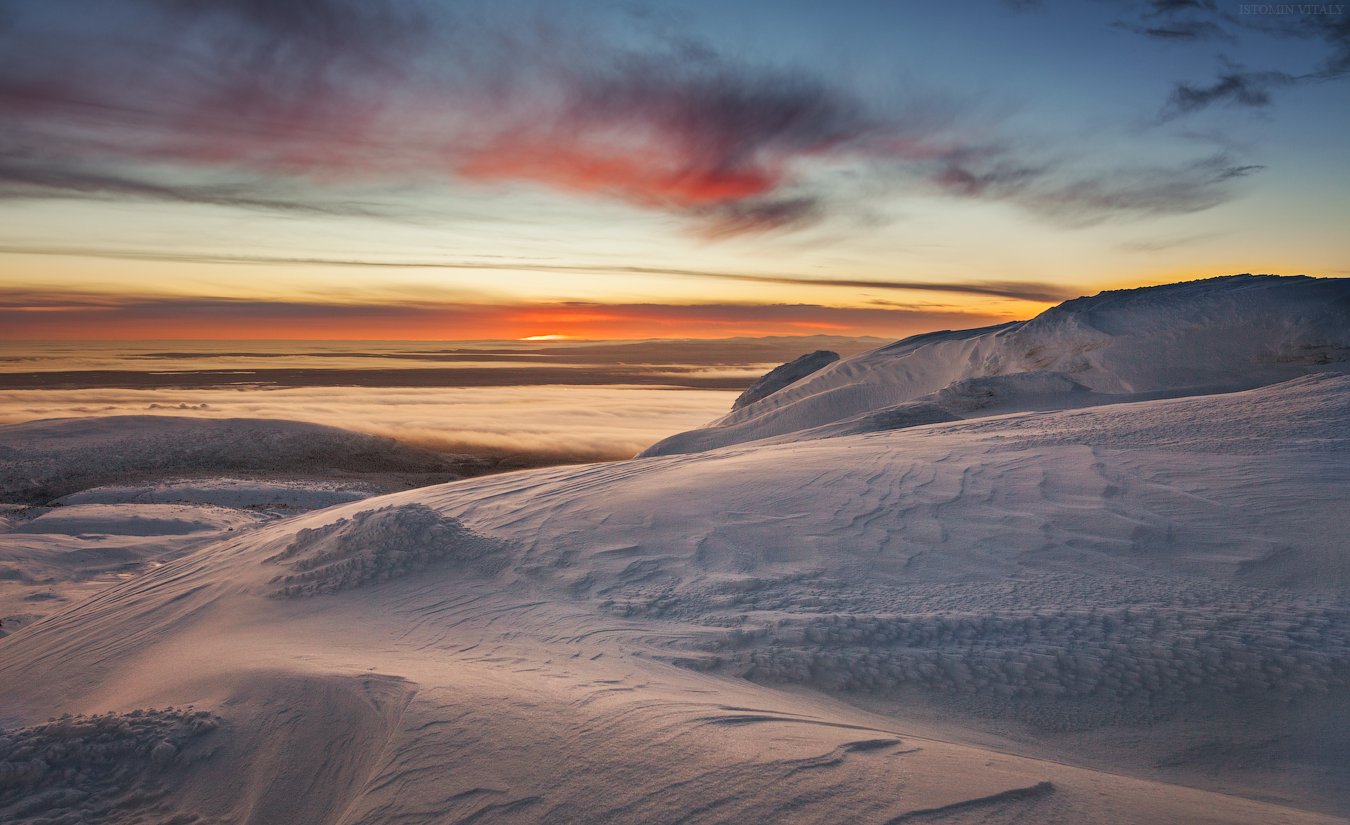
[
  {"x": 260, "y": 104},
  {"x": 650, "y": 175}
]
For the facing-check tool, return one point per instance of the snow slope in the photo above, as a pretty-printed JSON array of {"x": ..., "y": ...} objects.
[
  {"x": 1216, "y": 335},
  {"x": 1125, "y": 613},
  {"x": 783, "y": 375},
  {"x": 55, "y": 550}
]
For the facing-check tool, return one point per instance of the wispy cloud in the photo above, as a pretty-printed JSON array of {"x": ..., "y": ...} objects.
[
  {"x": 1161, "y": 244},
  {"x": 1234, "y": 87},
  {"x": 23, "y": 178},
  {"x": 1018, "y": 290},
  {"x": 292, "y": 106},
  {"x": 1084, "y": 199},
  {"x": 1325, "y": 28},
  {"x": 1179, "y": 30}
]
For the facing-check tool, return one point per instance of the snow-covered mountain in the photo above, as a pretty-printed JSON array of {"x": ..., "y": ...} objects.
[
  {"x": 1133, "y": 612},
  {"x": 1215, "y": 335}
]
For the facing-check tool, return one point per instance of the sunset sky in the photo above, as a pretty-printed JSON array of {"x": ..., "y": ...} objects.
[{"x": 335, "y": 169}]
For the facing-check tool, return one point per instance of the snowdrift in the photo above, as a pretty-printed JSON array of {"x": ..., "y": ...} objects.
[
  {"x": 1216, "y": 335},
  {"x": 1042, "y": 617},
  {"x": 54, "y": 550},
  {"x": 1117, "y": 611}
]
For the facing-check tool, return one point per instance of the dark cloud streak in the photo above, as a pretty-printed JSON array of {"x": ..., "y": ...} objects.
[
  {"x": 1203, "y": 21},
  {"x": 1089, "y": 199},
  {"x": 1018, "y": 290},
  {"x": 1236, "y": 88},
  {"x": 19, "y": 180}
]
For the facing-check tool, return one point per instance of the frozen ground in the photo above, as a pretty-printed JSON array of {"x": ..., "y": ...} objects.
[{"x": 1126, "y": 612}]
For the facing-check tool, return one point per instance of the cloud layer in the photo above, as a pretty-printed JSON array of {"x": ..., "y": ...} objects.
[
  {"x": 328, "y": 105},
  {"x": 530, "y": 423}
]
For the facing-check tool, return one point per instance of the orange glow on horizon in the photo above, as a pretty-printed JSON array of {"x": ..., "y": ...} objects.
[{"x": 202, "y": 319}]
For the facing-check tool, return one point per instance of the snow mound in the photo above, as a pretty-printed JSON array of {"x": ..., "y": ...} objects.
[
  {"x": 785, "y": 374},
  {"x": 377, "y": 545},
  {"x": 1216, "y": 335},
  {"x": 105, "y": 768},
  {"x": 43, "y": 460}
]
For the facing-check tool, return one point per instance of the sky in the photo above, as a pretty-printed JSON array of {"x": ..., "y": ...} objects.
[{"x": 337, "y": 169}]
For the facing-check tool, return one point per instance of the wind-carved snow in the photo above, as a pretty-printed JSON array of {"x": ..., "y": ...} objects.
[
  {"x": 378, "y": 545},
  {"x": 105, "y": 768},
  {"x": 1047, "y": 660},
  {"x": 1216, "y": 335}
]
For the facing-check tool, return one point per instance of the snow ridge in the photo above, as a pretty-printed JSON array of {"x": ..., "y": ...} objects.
[
  {"x": 785, "y": 374},
  {"x": 1215, "y": 335}
]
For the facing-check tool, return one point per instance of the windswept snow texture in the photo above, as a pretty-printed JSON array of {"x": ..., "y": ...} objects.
[
  {"x": 378, "y": 545},
  {"x": 105, "y": 768},
  {"x": 1217, "y": 335},
  {"x": 785, "y": 374},
  {"x": 43, "y": 460},
  {"x": 1125, "y": 612},
  {"x": 1133, "y": 613},
  {"x": 57, "y": 549}
]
